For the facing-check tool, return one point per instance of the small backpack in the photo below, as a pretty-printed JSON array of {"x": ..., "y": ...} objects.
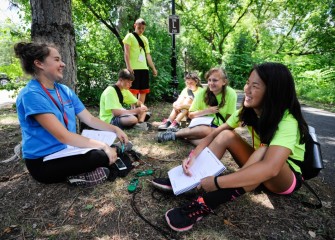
[{"x": 312, "y": 164}]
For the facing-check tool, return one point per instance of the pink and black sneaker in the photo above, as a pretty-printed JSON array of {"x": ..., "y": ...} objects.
[{"x": 183, "y": 218}]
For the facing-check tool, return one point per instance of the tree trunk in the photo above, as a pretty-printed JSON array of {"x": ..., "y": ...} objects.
[{"x": 52, "y": 23}]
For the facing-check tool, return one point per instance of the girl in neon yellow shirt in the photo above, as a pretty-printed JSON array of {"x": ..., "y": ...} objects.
[
  {"x": 272, "y": 114},
  {"x": 217, "y": 100}
]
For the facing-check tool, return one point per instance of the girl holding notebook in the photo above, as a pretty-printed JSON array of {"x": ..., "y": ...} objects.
[{"x": 272, "y": 114}]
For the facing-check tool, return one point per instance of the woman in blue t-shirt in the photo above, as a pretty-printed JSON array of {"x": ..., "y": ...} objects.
[
  {"x": 47, "y": 112},
  {"x": 272, "y": 114}
]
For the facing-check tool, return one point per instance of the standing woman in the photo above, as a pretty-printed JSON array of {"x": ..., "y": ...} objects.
[
  {"x": 47, "y": 113},
  {"x": 272, "y": 114},
  {"x": 217, "y": 100}
]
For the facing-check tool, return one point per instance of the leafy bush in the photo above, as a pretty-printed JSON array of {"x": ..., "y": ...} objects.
[{"x": 317, "y": 85}]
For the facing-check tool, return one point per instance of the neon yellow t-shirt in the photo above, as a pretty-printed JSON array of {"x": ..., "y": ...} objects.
[
  {"x": 109, "y": 100},
  {"x": 137, "y": 56},
  {"x": 287, "y": 135},
  {"x": 184, "y": 93},
  {"x": 228, "y": 109}
]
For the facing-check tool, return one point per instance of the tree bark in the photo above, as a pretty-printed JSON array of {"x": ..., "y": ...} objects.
[{"x": 52, "y": 23}]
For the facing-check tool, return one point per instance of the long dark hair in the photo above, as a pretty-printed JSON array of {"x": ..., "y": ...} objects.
[
  {"x": 210, "y": 98},
  {"x": 280, "y": 95}
]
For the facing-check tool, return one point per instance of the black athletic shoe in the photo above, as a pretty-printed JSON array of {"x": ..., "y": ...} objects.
[
  {"x": 166, "y": 136},
  {"x": 183, "y": 218},
  {"x": 166, "y": 123},
  {"x": 90, "y": 179},
  {"x": 162, "y": 184},
  {"x": 147, "y": 116}
]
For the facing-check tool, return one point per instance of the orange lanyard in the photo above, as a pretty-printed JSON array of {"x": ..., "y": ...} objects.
[{"x": 253, "y": 140}]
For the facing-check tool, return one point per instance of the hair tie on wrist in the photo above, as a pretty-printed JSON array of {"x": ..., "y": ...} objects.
[{"x": 216, "y": 182}]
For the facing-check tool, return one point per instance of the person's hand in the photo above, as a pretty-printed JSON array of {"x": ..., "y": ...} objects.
[
  {"x": 140, "y": 110},
  {"x": 177, "y": 107},
  {"x": 212, "y": 110},
  {"x": 121, "y": 135},
  {"x": 187, "y": 163},
  {"x": 111, "y": 154},
  {"x": 154, "y": 72},
  {"x": 144, "y": 107},
  {"x": 207, "y": 184},
  {"x": 130, "y": 70}
]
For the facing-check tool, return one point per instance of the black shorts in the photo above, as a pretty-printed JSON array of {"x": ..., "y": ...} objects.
[{"x": 141, "y": 82}]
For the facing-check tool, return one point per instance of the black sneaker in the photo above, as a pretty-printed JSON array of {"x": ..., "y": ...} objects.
[
  {"x": 166, "y": 136},
  {"x": 144, "y": 126},
  {"x": 183, "y": 218},
  {"x": 147, "y": 116},
  {"x": 166, "y": 123},
  {"x": 162, "y": 184},
  {"x": 90, "y": 179}
]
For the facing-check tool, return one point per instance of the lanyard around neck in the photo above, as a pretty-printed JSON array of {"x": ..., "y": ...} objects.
[{"x": 54, "y": 101}]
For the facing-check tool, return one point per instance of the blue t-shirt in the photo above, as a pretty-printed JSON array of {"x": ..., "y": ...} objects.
[{"x": 37, "y": 142}]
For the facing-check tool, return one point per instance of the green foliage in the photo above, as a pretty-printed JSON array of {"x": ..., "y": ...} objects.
[
  {"x": 10, "y": 34},
  {"x": 100, "y": 56},
  {"x": 233, "y": 34},
  {"x": 239, "y": 60},
  {"x": 318, "y": 85},
  {"x": 99, "y": 59}
]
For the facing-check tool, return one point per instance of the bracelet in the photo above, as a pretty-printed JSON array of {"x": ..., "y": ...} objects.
[{"x": 216, "y": 182}]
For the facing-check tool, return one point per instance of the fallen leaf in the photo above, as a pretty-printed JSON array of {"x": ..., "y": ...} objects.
[{"x": 312, "y": 234}]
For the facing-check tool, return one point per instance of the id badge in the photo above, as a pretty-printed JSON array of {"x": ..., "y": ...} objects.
[{"x": 141, "y": 57}]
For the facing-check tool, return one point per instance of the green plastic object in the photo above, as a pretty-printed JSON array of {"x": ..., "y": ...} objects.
[
  {"x": 145, "y": 173},
  {"x": 133, "y": 185}
]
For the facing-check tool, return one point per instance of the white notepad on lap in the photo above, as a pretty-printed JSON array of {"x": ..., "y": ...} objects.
[{"x": 206, "y": 164}]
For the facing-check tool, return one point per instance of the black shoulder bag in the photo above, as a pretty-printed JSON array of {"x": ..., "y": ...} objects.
[
  {"x": 218, "y": 114},
  {"x": 119, "y": 94},
  {"x": 190, "y": 93},
  {"x": 312, "y": 164},
  {"x": 141, "y": 43}
]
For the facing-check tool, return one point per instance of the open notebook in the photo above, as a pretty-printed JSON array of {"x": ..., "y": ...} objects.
[
  {"x": 206, "y": 164},
  {"x": 206, "y": 120},
  {"x": 103, "y": 136}
]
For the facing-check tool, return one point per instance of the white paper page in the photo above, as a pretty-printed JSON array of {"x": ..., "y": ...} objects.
[
  {"x": 206, "y": 164},
  {"x": 69, "y": 151},
  {"x": 201, "y": 121},
  {"x": 103, "y": 136}
]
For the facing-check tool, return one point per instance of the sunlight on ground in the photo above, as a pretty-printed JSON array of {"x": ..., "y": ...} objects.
[
  {"x": 9, "y": 119},
  {"x": 263, "y": 200},
  {"x": 61, "y": 230}
]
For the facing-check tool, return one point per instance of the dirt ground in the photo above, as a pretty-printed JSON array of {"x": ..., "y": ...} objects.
[{"x": 31, "y": 210}]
